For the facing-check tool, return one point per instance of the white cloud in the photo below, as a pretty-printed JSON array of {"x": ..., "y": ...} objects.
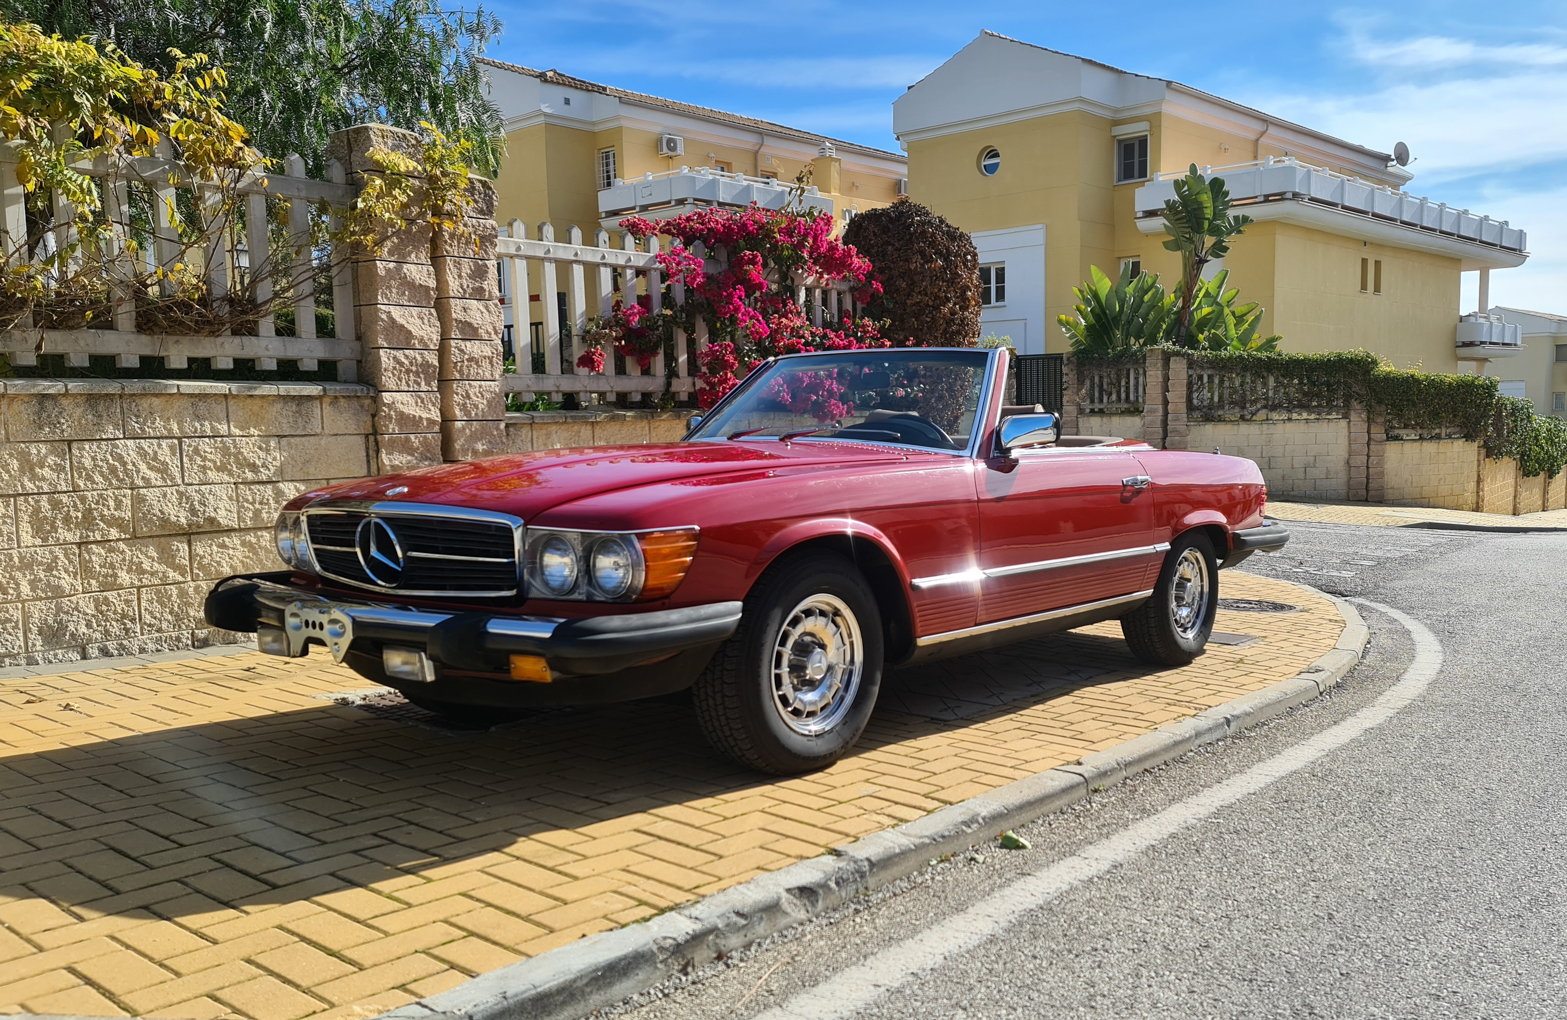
[
  {"x": 1441, "y": 53},
  {"x": 1453, "y": 127}
]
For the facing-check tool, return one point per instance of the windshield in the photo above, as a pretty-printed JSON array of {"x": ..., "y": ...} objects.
[{"x": 926, "y": 397}]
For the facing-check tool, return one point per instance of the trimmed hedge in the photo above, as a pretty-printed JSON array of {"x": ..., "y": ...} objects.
[{"x": 1414, "y": 401}]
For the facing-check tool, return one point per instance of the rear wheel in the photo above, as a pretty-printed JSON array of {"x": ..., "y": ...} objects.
[
  {"x": 792, "y": 690},
  {"x": 1172, "y": 627}
]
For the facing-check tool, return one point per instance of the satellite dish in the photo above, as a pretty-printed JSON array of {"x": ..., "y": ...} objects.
[{"x": 1401, "y": 154}]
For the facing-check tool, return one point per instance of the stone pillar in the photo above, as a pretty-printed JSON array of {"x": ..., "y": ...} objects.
[
  {"x": 1155, "y": 384},
  {"x": 1376, "y": 455},
  {"x": 467, "y": 305},
  {"x": 1359, "y": 452},
  {"x": 1070, "y": 398},
  {"x": 394, "y": 315},
  {"x": 1176, "y": 427}
]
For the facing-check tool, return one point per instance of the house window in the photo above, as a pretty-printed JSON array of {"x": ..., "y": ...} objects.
[
  {"x": 1135, "y": 263},
  {"x": 1561, "y": 352},
  {"x": 769, "y": 175},
  {"x": 1559, "y": 403},
  {"x": 1513, "y": 388},
  {"x": 721, "y": 165},
  {"x": 606, "y": 168},
  {"x": 1376, "y": 277},
  {"x": 1365, "y": 275},
  {"x": 1131, "y": 159},
  {"x": 993, "y": 284},
  {"x": 989, "y": 162}
]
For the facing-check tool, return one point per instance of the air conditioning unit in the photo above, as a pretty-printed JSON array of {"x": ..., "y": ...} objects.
[
  {"x": 903, "y": 186},
  {"x": 671, "y": 145}
]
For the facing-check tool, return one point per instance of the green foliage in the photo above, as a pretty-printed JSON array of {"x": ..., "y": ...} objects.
[
  {"x": 300, "y": 70},
  {"x": 1218, "y": 324},
  {"x": 1433, "y": 402},
  {"x": 1135, "y": 313},
  {"x": 1131, "y": 313},
  {"x": 929, "y": 272},
  {"x": 1537, "y": 443},
  {"x": 1200, "y": 226}
]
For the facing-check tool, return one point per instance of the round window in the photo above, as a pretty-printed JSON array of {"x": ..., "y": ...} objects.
[{"x": 989, "y": 162}]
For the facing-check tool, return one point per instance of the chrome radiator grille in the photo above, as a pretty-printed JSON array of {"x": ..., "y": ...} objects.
[{"x": 413, "y": 550}]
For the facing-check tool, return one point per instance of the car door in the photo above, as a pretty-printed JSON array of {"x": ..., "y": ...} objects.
[{"x": 1062, "y": 527}]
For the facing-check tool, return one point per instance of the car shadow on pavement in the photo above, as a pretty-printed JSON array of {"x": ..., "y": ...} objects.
[{"x": 216, "y": 820}]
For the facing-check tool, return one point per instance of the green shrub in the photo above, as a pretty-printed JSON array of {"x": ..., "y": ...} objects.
[{"x": 1430, "y": 402}]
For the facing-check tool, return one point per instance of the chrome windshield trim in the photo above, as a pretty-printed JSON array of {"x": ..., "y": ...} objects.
[
  {"x": 980, "y": 411},
  {"x": 1077, "y": 561},
  {"x": 975, "y": 575},
  {"x": 1021, "y": 621}
]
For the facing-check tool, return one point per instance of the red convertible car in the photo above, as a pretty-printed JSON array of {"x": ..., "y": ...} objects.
[{"x": 836, "y": 514}]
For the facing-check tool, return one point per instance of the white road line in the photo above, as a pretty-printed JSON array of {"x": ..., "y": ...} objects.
[{"x": 851, "y": 990}]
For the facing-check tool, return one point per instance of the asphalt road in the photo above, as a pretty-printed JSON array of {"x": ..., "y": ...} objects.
[{"x": 1418, "y": 870}]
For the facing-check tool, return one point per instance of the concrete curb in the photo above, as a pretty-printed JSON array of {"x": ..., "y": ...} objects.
[{"x": 602, "y": 969}]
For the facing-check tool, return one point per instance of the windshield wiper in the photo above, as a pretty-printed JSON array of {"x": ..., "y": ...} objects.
[
  {"x": 799, "y": 433},
  {"x": 746, "y": 432}
]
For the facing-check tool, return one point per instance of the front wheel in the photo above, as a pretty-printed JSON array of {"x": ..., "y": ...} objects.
[
  {"x": 1172, "y": 627},
  {"x": 793, "y": 688}
]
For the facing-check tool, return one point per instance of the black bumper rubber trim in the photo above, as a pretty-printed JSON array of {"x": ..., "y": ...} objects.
[{"x": 1268, "y": 538}]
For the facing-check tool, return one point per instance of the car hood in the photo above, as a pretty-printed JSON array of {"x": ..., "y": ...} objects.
[{"x": 527, "y": 484}]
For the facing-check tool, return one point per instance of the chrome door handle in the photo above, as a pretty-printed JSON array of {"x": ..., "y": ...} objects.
[{"x": 1136, "y": 482}]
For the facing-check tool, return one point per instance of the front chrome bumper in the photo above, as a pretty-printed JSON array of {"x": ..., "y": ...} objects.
[{"x": 287, "y": 620}]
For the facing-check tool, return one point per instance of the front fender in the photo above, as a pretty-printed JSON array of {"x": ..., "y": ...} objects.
[{"x": 801, "y": 532}]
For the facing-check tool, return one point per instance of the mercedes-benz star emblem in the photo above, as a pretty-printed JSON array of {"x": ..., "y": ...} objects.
[{"x": 380, "y": 553}]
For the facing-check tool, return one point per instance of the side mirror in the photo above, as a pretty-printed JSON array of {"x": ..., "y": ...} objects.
[
  {"x": 693, "y": 423},
  {"x": 1023, "y": 431}
]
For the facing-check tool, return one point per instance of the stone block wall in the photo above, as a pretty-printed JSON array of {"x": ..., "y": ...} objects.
[
  {"x": 1127, "y": 426},
  {"x": 1498, "y": 485},
  {"x": 1300, "y": 458},
  {"x": 122, "y": 502},
  {"x": 1433, "y": 472},
  {"x": 558, "y": 430}
]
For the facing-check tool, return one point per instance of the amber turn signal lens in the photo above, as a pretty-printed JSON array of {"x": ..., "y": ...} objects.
[
  {"x": 530, "y": 667},
  {"x": 666, "y": 556}
]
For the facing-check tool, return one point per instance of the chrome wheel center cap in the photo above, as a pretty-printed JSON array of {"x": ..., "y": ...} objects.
[{"x": 816, "y": 664}]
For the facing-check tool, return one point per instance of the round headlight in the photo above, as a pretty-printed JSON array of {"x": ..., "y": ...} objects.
[
  {"x": 557, "y": 562},
  {"x": 301, "y": 543},
  {"x": 612, "y": 567},
  {"x": 283, "y": 533}
]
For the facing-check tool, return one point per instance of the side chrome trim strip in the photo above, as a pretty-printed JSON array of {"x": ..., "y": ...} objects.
[
  {"x": 1078, "y": 561},
  {"x": 975, "y": 575},
  {"x": 1020, "y": 621},
  {"x": 939, "y": 580}
]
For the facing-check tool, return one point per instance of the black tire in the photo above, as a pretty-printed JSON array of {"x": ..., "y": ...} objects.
[
  {"x": 1158, "y": 631},
  {"x": 740, "y": 711}
]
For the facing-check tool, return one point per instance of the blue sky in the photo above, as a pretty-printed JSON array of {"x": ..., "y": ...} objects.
[{"x": 1478, "y": 91}]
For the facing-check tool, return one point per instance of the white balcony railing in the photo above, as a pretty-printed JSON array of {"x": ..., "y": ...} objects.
[
  {"x": 1272, "y": 180},
  {"x": 1492, "y": 336},
  {"x": 668, "y": 194}
]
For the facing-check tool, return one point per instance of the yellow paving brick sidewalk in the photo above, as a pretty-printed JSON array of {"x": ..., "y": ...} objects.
[
  {"x": 214, "y": 837},
  {"x": 1382, "y": 515}
]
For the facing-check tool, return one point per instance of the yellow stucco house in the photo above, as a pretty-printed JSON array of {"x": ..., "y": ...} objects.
[
  {"x": 1055, "y": 163},
  {"x": 1539, "y": 371},
  {"x": 586, "y": 155}
]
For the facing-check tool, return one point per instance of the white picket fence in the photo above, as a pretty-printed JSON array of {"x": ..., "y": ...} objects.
[
  {"x": 1112, "y": 389},
  {"x": 225, "y": 269},
  {"x": 534, "y": 270}
]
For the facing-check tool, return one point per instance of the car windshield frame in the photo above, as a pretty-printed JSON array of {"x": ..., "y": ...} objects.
[{"x": 764, "y": 371}]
